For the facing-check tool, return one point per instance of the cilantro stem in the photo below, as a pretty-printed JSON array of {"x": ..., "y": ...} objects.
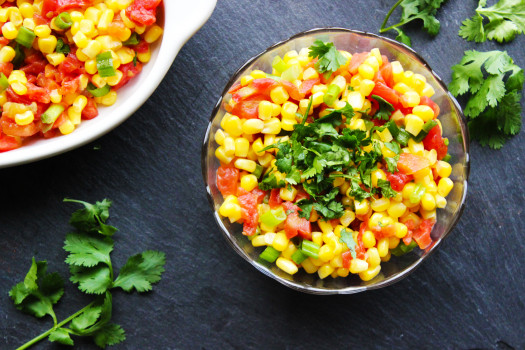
[
  {"x": 383, "y": 29},
  {"x": 54, "y": 328}
]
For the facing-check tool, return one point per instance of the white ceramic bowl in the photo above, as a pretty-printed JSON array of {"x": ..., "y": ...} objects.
[{"x": 181, "y": 20}]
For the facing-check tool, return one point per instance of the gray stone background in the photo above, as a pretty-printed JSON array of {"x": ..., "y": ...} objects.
[{"x": 468, "y": 295}]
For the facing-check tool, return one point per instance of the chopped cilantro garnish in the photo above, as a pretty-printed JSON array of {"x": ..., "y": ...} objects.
[
  {"x": 329, "y": 58},
  {"x": 348, "y": 239},
  {"x": 385, "y": 108}
]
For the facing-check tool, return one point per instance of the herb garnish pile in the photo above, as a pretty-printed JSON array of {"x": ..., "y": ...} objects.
[{"x": 89, "y": 248}]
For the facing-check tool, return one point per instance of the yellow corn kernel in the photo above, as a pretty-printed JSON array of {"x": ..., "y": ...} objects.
[
  {"x": 361, "y": 207},
  {"x": 229, "y": 146},
  {"x": 289, "y": 251},
  {"x": 242, "y": 146},
  {"x": 337, "y": 261},
  {"x": 411, "y": 98},
  {"x": 356, "y": 100},
  {"x": 280, "y": 241},
  {"x": 288, "y": 194},
  {"x": 245, "y": 164},
  {"x": 377, "y": 54},
  {"x": 325, "y": 271},
  {"x": 393, "y": 242},
  {"x": 19, "y": 89},
  {"x": 257, "y": 74},
  {"x": 373, "y": 62},
  {"x": 443, "y": 169},
  {"x": 366, "y": 71},
  {"x": 67, "y": 127},
  {"x": 24, "y": 118},
  {"x": 441, "y": 202},
  {"x": 144, "y": 57},
  {"x": 317, "y": 99},
  {"x": 29, "y": 23},
  {"x": 288, "y": 110},
  {"x": 413, "y": 124},
  {"x": 7, "y": 54},
  {"x": 377, "y": 175},
  {"x": 347, "y": 218},
  {"x": 125, "y": 54},
  {"x": 106, "y": 17},
  {"x": 309, "y": 267},
  {"x": 98, "y": 81},
  {"x": 373, "y": 257},
  {"x": 419, "y": 82},
  {"x": 109, "y": 43},
  {"x": 369, "y": 239},
  {"x": 228, "y": 209},
  {"x": 286, "y": 265},
  {"x": 400, "y": 229},
  {"x": 9, "y": 31},
  {"x": 428, "y": 214},
  {"x": 288, "y": 124},
  {"x": 87, "y": 27},
  {"x": 402, "y": 88},
  {"x": 246, "y": 79},
  {"x": 416, "y": 147},
  {"x": 91, "y": 66},
  {"x": 42, "y": 31},
  {"x": 265, "y": 110},
  {"x": 319, "y": 88},
  {"x": 75, "y": 27},
  {"x": 114, "y": 80},
  {"x": 380, "y": 204},
  {"x": 444, "y": 186},
  {"x": 382, "y": 247},
  {"x": 428, "y": 202},
  {"x": 80, "y": 40},
  {"x": 4, "y": 14},
  {"x": 358, "y": 265},
  {"x": 232, "y": 125},
  {"x": 220, "y": 153},
  {"x": 15, "y": 17},
  {"x": 310, "y": 73},
  {"x": 326, "y": 253},
  {"x": 428, "y": 91},
  {"x": 279, "y": 95},
  {"x": 366, "y": 87},
  {"x": 17, "y": 76},
  {"x": 92, "y": 49},
  {"x": 48, "y": 44},
  {"x": 107, "y": 100},
  {"x": 74, "y": 115},
  {"x": 424, "y": 112},
  {"x": 342, "y": 272},
  {"x": 317, "y": 237},
  {"x": 26, "y": 10},
  {"x": 370, "y": 273},
  {"x": 55, "y": 96},
  {"x": 408, "y": 78},
  {"x": 80, "y": 102},
  {"x": 325, "y": 226},
  {"x": 272, "y": 126},
  {"x": 55, "y": 58},
  {"x": 153, "y": 34},
  {"x": 3, "y": 98},
  {"x": 252, "y": 126},
  {"x": 396, "y": 209}
]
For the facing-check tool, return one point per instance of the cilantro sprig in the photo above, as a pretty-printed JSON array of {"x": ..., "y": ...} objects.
[
  {"x": 317, "y": 153},
  {"x": 329, "y": 58},
  {"x": 424, "y": 10},
  {"x": 89, "y": 248},
  {"x": 493, "y": 84},
  {"x": 501, "y": 22}
]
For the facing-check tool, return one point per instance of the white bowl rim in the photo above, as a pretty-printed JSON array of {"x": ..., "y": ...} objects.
[{"x": 196, "y": 13}]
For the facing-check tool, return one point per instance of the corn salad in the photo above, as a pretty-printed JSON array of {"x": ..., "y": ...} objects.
[
  {"x": 59, "y": 60},
  {"x": 390, "y": 210}
]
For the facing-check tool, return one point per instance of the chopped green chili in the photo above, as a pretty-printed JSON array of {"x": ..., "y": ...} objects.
[
  {"x": 25, "y": 37},
  {"x": 105, "y": 65},
  {"x": 63, "y": 20},
  {"x": 273, "y": 217},
  {"x": 310, "y": 248},
  {"x": 270, "y": 254},
  {"x": 98, "y": 92}
]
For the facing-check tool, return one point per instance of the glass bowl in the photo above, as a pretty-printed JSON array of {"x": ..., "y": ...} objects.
[{"x": 454, "y": 127}]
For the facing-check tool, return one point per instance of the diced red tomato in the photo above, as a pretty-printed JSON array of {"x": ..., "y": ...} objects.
[
  {"x": 4, "y": 41},
  {"x": 388, "y": 94},
  {"x": 301, "y": 194},
  {"x": 37, "y": 93},
  {"x": 72, "y": 65},
  {"x": 295, "y": 225},
  {"x": 6, "y": 68},
  {"x": 410, "y": 163},
  {"x": 8, "y": 143},
  {"x": 292, "y": 90},
  {"x": 249, "y": 107},
  {"x": 9, "y": 127},
  {"x": 411, "y": 226},
  {"x": 275, "y": 198},
  {"x": 227, "y": 178},
  {"x": 129, "y": 70},
  {"x": 422, "y": 234},
  {"x": 259, "y": 195},
  {"x": 386, "y": 73},
  {"x": 249, "y": 213},
  {"x": 434, "y": 140},
  {"x": 90, "y": 111},
  {"x": 143, "y": 11},
  {"x": 398, "y": 180},
  {"x": 50, "y": 8},
  {"x": 307, "y": 85},
  {"x": 235, "y": 88},
  {"x": 356, "y": 61}
]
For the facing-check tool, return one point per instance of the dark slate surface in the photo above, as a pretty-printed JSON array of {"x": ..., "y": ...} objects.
[{"x": 468, "y": 295}]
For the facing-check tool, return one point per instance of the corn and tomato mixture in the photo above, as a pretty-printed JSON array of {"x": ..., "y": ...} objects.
[
  {"x": 59, "y": 59},
  {"x": 333, "y": 170}
]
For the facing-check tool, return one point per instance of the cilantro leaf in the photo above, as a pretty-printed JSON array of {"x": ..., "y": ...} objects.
[
  {"x": 412, "y": 10},
  {"x": 270, "y": 182},
  {"x": 329, "y": 58},
  {"x": 505, "y": 20},
  {"x": 61, "y": 336},
  {"x": 348, "y": 239},
  {"x": 91, "y": 280},
  {"x": 38, "y": 292},
  {"x": 141, "y": 271},
  {"x": 385, "y": 108},
  {"x": 110, "y": 334},
  {"x": 493, "y": 83},
  {"x": 92, "y": 218},
  {"x": 386, "y": 188},
  {"x": 87, "y": 250}
]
